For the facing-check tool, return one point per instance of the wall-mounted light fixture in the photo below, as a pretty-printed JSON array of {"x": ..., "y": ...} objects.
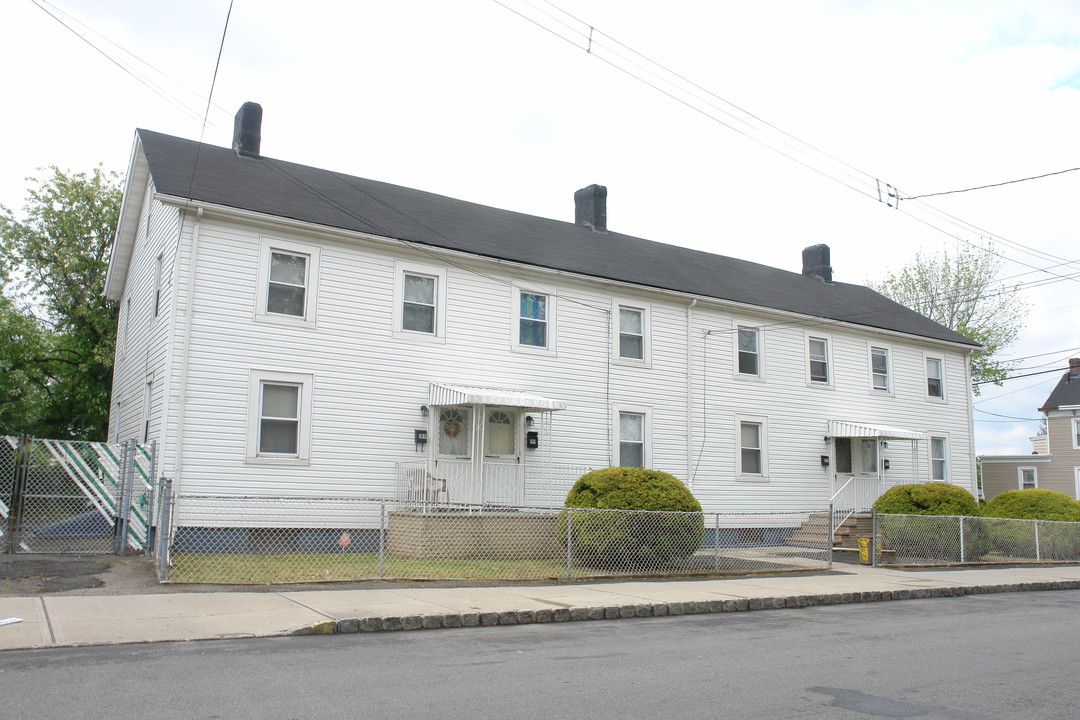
[
  {"x": 423, "y": 411},
  {"x": 828, "y": 439},
  {"x": 886, "y": 465},
  {"x": 529, "y": 420},
  {"x": 824, "y": 461}
]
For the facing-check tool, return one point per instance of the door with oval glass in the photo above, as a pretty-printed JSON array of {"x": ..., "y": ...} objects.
[{"x": 503, "y": 476}]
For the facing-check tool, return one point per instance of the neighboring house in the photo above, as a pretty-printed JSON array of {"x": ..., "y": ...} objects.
[
  {"x": 1054, "y": 463},
  {"x": 290, "y": 331}
]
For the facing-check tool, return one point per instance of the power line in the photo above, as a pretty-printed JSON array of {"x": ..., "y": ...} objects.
[{"x": 992, "y": 185}]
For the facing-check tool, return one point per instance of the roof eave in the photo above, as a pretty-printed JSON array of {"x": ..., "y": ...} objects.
[{"x": 135, "y": 183}]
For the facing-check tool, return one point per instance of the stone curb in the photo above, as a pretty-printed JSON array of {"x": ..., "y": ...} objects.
[{"x": 392, "y": 623}]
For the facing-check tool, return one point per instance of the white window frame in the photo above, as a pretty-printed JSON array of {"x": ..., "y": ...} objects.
[
  {"x": 830, "y": 369},
  {"x": 940, "y": 359},
  {"x": 1020, "y": 476},
  {"x": 515, "y": 323},
  {"x": 763, "y": 440},
  {"x": 616, "y": 333},
  {"x": 737, "y": 329},
  {"x": 944, "y": 459},
  {"x": 1075, "y": 434},
  {"x": 1076, "y": 487},
  {"x": 311, "y": 291},
  {"x": 616, "y": 449},
  {"x": 401, "y": 269},
  {"x": 887, "y": 350},
  {"x": 305, "y": 381}
]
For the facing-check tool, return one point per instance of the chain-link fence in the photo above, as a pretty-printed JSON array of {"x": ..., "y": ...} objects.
[
  {"x": 952, "y": 540},
  {"x": 60, "y": 496},
  {"x": 291, "y": 540}
]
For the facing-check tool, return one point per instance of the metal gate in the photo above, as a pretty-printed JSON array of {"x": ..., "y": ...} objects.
[{"x": 63, "y": 496}]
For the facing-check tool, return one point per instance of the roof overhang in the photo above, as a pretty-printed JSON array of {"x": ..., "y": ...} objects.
[
  {"x": 442, "y": 394},
  {"x": 839, "y": 428}
]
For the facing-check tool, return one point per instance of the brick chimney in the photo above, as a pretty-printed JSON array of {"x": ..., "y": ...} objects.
[
  {"x": 590, "y": 207},
  {"x": 1074, "y": 367},
  {"x": 815, "y": 263},
  {"x": 247, "y": 130}
]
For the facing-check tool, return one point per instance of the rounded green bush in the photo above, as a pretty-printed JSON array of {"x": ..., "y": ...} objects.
[
  {"x": 933, "y": 498},
  {"x": 1033, "y": 504},
  {"x": 609, "y": 533}
]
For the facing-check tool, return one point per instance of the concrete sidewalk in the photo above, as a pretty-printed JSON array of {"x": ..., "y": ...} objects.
[{"x": 57, "y": 621}]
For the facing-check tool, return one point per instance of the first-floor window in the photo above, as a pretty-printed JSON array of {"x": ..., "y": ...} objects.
[
  {"x": 750, "y": 448},
  {"x": 279, "y": 419},
  {"x": 631, "y": 439},
  {"x": 1028, "y": 478},
  {"x": 455, "y": 432},
  {"x": 939, "y": 467}
]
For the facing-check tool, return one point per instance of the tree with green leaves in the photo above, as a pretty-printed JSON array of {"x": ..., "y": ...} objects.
[
  {"x": 962, "y": 292},
  {"x": 58, "y": 329}
]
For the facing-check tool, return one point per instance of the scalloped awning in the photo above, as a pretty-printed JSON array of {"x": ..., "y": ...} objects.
[
  {"x": 441, "y": 394},
  {"x": 838, "y": 428}
]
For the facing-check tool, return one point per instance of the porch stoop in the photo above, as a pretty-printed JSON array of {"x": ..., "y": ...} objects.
[
  {"x": 846, "y": 537},
  {"x": 814, "y": 532}
]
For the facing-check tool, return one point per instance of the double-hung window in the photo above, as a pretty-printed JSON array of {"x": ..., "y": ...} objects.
[
  {"x": 1027, "y": 478},
  {"x": 935, "y": 379},
  {"x": 286, "y": 293},
  {"x": 879, "y": 369},
  {"x": 749, "y": 354},
  {"x": 418, "y": 310},
  {"x": 751, "y": 451},
  {"x": 288, "y": 281},
  {"x": 939, "y": 463},
  {"x": 1076, "y": 434},
  {"x": 631, "y": 333},
  {"x": 631, "y": 439},
  {"x": 279, "y": 417},
  {"x": 818, "y": 354},
  {"x": 532, "y": 319}
]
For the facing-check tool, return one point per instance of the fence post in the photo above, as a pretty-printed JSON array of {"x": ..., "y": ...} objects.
[
  {"x": 18, "y": 491},
  {"x": 961, "y": 538},
  {"x": 569, "y": 542},
  {"x": 716, "y": 542},
  {"x": 829, "y": 542},
  {"x": 152, "y": 497},
  {"x": 126, "y": 493},
  {"x": 382, "y": 538},
  {"x": 873, "y": 537},
  {"x": 164, "y": 531},
  {"x": 1038, "y": 554}
]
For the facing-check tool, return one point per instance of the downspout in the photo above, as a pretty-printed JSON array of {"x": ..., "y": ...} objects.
[
  {"x": 976, "y": 490},
  {"x": 690, "y": 394},
  {"x": 185, "y": 351}
]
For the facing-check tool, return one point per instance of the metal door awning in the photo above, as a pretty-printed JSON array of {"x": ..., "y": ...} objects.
[
  {"x": 443, "y": 394},
  {"x": 839, "y": 428}
]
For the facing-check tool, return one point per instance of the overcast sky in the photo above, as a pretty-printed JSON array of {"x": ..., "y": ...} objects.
[{"x": 471, "y": 99}]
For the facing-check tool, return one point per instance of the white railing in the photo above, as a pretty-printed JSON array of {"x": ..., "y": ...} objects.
[
  {"x": 457, "y": 481},
  {"x": 855, "y": 494}
]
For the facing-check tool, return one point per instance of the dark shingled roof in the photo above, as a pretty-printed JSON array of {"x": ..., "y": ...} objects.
[
  {"x": 332, "y": 199},
  {"x": 1067, "y": 392}
]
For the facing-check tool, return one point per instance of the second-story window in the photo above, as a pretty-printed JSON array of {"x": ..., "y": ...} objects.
[
  {"x": 631, "y": 333},
  {"x": 819, "y": 359},
  {"x": 286, "y": 292},
  {"x": 533, "y": 320},
  {"x": 879, "y": 368},
  {"x": 418, "y": 305},
  {"x": 935, "y": 386},
  {"x": 748, "y": 351}
]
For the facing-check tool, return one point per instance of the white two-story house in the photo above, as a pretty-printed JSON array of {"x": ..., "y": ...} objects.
[{"x": 289, "y": 331}]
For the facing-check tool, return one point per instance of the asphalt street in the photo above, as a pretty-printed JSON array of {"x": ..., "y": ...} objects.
[{"x": 978, "y": 657}]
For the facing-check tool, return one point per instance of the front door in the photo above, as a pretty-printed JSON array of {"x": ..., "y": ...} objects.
[{"x": 502, "y": 456}]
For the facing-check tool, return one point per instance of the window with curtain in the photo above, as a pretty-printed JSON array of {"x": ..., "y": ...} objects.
[
  {"x": 286, "y": 293},
  {"x": 500, "y": 436},
  {"x": 533, "y": 320},
  {"x": 748, "y": 351},
  {"x": 631, "y": 440},
  {"x": 418, "y": 304},
  {"x": 631, "y": 333},
  {"x": 454, "y": 432}
]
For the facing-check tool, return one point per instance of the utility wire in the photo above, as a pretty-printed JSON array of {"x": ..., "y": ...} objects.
[{"x": 992, "y": 185}]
